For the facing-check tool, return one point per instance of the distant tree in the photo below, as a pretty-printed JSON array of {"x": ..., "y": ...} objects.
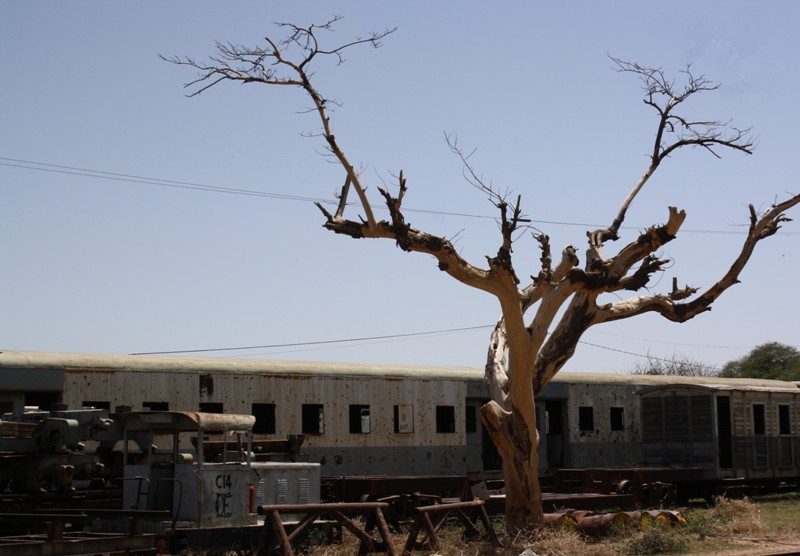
[
  {"x": 770, "y": 360},
  {"x": 543, "y": 318},
  {"x": 677, "y": 365}
]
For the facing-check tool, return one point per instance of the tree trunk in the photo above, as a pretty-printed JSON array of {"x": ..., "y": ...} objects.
[{"x": 517, "y": 441}]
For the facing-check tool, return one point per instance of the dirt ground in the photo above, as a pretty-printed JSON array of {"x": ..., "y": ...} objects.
[{"x": 763, "y": 547}]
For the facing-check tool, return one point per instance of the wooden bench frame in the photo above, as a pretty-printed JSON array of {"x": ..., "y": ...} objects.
[
  {"x": 275, "y": 536},
  {"x": 440, "y": 513}
]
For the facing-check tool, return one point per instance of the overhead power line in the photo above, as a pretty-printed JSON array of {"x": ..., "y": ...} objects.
[
  {"x": 317, "y": 343},
  {"x": 85, "y": 172},
  {"x": 428, "y": 333},
  {"x": 682, "y": 344},
  {"x": 160, "y": 182},
  {"x": 131, "y": 178},
  {"x": 648, "y": 356}
]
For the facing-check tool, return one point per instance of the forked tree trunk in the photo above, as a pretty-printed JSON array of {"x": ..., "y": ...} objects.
[
  {"x": 517, "y": 441},
  {"x": 510, "y": 417}
]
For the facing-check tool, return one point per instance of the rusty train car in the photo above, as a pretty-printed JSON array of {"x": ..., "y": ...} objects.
[{"x": 409, "y": 420}]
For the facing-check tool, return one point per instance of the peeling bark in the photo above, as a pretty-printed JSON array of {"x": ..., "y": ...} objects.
[{"x": 495, "y": 377}]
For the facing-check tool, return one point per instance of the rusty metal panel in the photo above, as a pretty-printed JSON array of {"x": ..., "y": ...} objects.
[
  {"x": 602, "y": 397},
  {"x": 237, "y": 393},
  {"x": 702, "y": 417},
  {"x": 785, "y": 453},
  {"x": 337, "y": 394},
  {"x": 677, "y": 419},
  {"x": 383, "y": 460},
  {"x": 215, "y": 495},
  {"x": 652, "y": 420},
  {"x": 186, "y": 421},
  {"x": 132, "y": 389}
]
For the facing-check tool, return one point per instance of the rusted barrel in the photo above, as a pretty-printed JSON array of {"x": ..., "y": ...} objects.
[
  {"x": 598, "y": 525},
  {"x": 560, "y": 521},
  {"x": 664, "y": 518}
]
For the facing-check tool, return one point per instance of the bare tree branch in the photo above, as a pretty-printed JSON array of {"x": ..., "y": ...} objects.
[
  {"x": 677, "y": 365},
  {"x": 669, "y": 306},
  {"x": 673, "y": 132},
  {"x": 270, "y": 65},
  {"x": 471, "y": 174}
]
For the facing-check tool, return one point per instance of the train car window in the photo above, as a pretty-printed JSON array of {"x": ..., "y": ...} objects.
[
  {"x": 404, "y": 418},
  {"x": 471, "y": 419},
  {"x": 445, "y": 418},
  {"x": 759, "y": 419},
  {"x": 155, "y": 406},
  {"x": 784, "y": 419},
  {"x": 359, "y": 419},
  {"x": 313, "y": 419},
  {"x": 206, "y": 384},
  {"x": 617, "y": 417},
  {"x": 96, "y": 405},
  {"x": 42, "y": 400},
  {"x": 265, "y": 418},
  {"x": 211, "y": 407},
  {"x": 586, "y": 418}
]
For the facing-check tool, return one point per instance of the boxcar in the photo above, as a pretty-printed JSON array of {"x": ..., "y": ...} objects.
[
  {"x": 731, "y": 431},
  {"x": 356, "y": 419},
  {"x": 746, "y": 428},
  {"x": 412, "y": 420}
]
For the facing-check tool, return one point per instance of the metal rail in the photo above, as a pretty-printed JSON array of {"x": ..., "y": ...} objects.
[{"x": 56, "y": 540}]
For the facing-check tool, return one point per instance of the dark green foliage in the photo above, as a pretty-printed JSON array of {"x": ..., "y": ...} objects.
[{"x": 771, "y": 360}]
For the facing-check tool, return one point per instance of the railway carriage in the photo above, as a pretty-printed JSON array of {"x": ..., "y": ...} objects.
[
  {"x": 731, "y": 428},
  {"x": 356, "y": 419},
  {"x": 408, "y": 420}
]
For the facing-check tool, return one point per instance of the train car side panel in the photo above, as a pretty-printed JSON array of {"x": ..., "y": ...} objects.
[
  {"x": 351, "y": 424},
  {"x": 601, "y": 426}
]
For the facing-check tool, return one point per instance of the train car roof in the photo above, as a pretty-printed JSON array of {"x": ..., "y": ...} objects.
[
  {"x": 717, "y": 386},
  {"x": 664, "y": 380},
  {"x": 77, "y": 362},
  {"x": 21, "y": 360}
]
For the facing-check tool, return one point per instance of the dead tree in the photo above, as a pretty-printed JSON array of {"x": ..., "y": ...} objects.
[
  {"x": 677, "y": 365},
  {"x": 543, "y": 318}
]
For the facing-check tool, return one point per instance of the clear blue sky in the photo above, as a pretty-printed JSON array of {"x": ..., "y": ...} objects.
[{"x": 98, "y": 264}]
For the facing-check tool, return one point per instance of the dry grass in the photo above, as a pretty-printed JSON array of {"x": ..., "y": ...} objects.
[
  {"x": 730, "y": 527},
  {"x": 779, "y": 515},
  {"x": 560, "y": 542},
  {"x": 548, "y": 542},
  {"x": 736, "y": 517}
]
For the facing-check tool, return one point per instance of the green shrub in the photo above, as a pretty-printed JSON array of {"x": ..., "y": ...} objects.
[{"x": 657, "y": 540}]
